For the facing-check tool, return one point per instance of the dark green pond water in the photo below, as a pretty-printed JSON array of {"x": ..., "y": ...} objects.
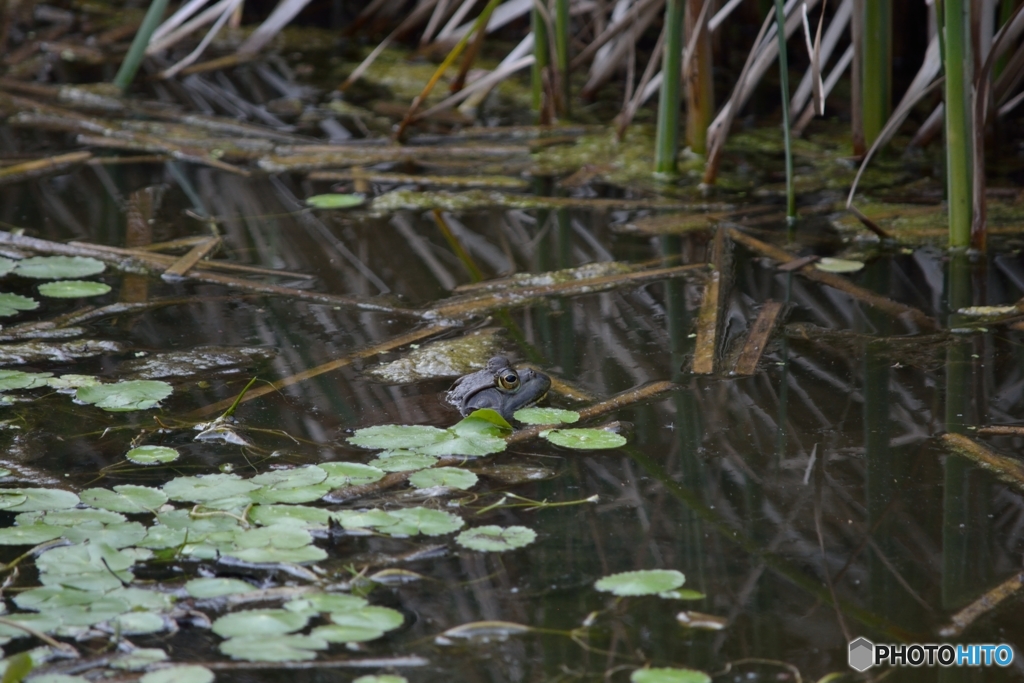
[{"x": 822, "y": 475}]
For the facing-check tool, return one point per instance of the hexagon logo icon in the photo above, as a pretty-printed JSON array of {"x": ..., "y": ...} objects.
[{"x": 862, "y": 654}]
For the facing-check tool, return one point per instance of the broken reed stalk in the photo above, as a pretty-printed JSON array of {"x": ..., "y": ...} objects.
[
  {"x": 1004, "y": 468},
  {"x": 885, "y": 304},
  {"x": 957, "y": 112},
  {"x": 707, "y": 327},
  {"x": 877, "y": 67},
  {"x": 38, "y": 168},
  {"x": 137, "y": 51},
  {"x": 780, "y": 20},
  {"x": 983, "y": 605},
  {"x": 667, "y": 140},
  {"x": 700, "y": 87},
  {"x": 758, "y": 338}
]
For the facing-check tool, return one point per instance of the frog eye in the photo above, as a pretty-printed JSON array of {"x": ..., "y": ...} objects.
[{"x": 509, "y": 381}]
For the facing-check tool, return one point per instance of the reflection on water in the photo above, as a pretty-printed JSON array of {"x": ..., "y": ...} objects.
[{"x": 817, "y": 477}]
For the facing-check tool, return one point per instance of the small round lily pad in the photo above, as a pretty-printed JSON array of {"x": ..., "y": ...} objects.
[
  {"x": 642, "y": 582},
  {"x": 12, "y": 304},
  {"x": 585, "y": 439},
  {"x": 58, "y": 267},
  {"x": 493, "y": 538},
  {"x": 667, "y": 675},
  {"x": 122, "y": 396},
  {"x": 73, "y": 289},
  {"x": 451, "y": 477},
  {"x": 189, "y": 673},
  {"x": 546, "y": 416},
  {"x": 152, "y": 455},
  {"x": 838, "y": 265},
  {"x": 336, "y": 201}
]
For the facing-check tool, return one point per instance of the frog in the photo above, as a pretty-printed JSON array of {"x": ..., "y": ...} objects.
[{"x": 499, "y": 386}]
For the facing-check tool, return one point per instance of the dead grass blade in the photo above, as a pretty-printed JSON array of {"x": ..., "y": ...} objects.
[
  {"x": 617, "y": 27},
  {"x": 836, "y": 30},
  {"x": 481, "y": 22},
  {"x": 986, "y": 603},
  {"x": 707, "y": 327},
  {"x": 39, "y": 168},
  {"x": 633, "y": 104},
  {"x": 1004, "y": 468},
  {"x": 814, "y": 53},
  {"x": 180, "y": 268},
  {"x": 272, "y": 25},
  {"x": 410, "y": 21},
  {"x": 178, "y": 66}
]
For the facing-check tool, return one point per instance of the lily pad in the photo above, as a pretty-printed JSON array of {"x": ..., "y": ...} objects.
[
  {"x": 125, "y": 498},
  {"x": 495, "y": 538},
  {"x": 16, "y": 379},
  {"x": 349, "y": 474},
  {"x": 12, "y": 304},
  {"x": 217, "y": 587},
  {"x": 152, "y": 455},
  {"x": 140, "y": 623},
  {"x": 134, "y": 395},
  {"x": 207, "y": 487},
  {"x": 585, "y": 439},
  {"x": 838, "y": 265},
  {"x": 371, "y": 616},
  {"x": 259, "y": 622},
  {"x": 33, "y": 534},
  {"x": 642, "y": 582},
  {"x": 336, "y": 201},
  {"x": 29, "y": 500},
  {"x": 381, "y": 678},
  {"x": 189, "y": 673},
  {"x": 419, "y": 520},
  {"x": 667, "y": 675},
  {"x": 451, "y": 477},
  {"x": 6, "y": 265},
  {"x": 546, "y": 416},
  {"x": 73, "y": 289},
  {"x": 276, "y": 649},
  {"x": 294, "y": 515},
  {"x": 399, "y": 436},
  {"x": 58, "y": 267},
  {"x": 402, "y": 461},
  {"x": 140, "y": 658}
]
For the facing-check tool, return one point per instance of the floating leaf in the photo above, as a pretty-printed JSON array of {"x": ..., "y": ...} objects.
[
  {"x": 490, "y": 416},
  {"x": 402, "y": 461},
  {"x": 189, "y": 673},
  {"x": 12, "y": 304},
  {"x": 58, "y": 267},
  {"x": 134, "y": 395},
  {"x": 18, "y": 666},
  {"x": 140, "y": 658},
  {"x": 399, "y": 436},
  {"x": 152, "y": 455},
  {"x": 381, "y": 678},
  {"x": 495, "y": 538},
  {"x": 487, "y": 631},
  {"x": 546, "y": 416},
  {"x": 349, "y": 474},
  {"x": 207, "y": 487},
  {"x": 336, "y": 201},
  {"x": 451, "y": 477},
  {"x": 333, "y": 602},
  {"x": 271, "y": 554},
  {"x": 16, "y": 379},
  {"x": 115, "y": 535},
  {"x": 642, "y": 582},
  {"x": 291, "y": 478},
  {"x": 28, "y": 500},
  {"x": 140, "y": 623},
  {"x": 73, "y": 517},
  {"x": 216, "y": 587},
  {"x": 294, "y": 515},
  {"x": 125, "y": 498},
  {"x": 57, "y": 678},
  {"x": 708, "y": 622},
  {"x": 259, "y": 622},
  {"x": 367, "y": 519},
  {"x": 682, "y": 594},
  {"x": 669, "y": 676},
  {"x": 73, "y": 289},
  {"x": 419, "y": 520},
  {"x": 276, "y": 649},
  {"x": 838, "y": 265},
  {"x": 33, "y": 534},
  {"x": 333, "y": 633},
  {"x": 6, "y": 265},
  {"x": 585, "y": 439},
  {"x": 67, "y": 382},
  {"x": 40, "y": 622}
]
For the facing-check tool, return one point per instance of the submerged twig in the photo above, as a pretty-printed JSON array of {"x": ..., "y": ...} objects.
[
  {"x": 758, "y": 338},
  {"x": 989, "y": 601},
  {"x": 39, "y": 168},
  {"x": 1004, "y": 468}
]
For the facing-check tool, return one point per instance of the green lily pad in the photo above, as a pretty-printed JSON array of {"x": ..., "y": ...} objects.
[
  {"x": 140, "y": 658},
  {"x": 188, "y": 673},
  {"x": 402, "y": 461},
  {"x": 495, "y": 538},
  {"x": 585, "y": 439},
  {"x": 333, "y": 633},
  {"x": 294, "y": 515},
  {"x": 73, "y": 289},
  {"x": 451, "y": 477},
  {"x": 546, "y": 416},
  {"x": 216, "y": 587},
  {"x": 12, "y": 304},
  {"x": 642, "y": 582},
  {"x": 29, "y": 500},
  {"x": 259, "y": 622},
  {"x": 72, "y": 517},
  {"x": 477, "y": 435},
  {"x": 16, "y": 379},
  {"x": 152, "y": 455},
  {"x": 332, "y": 602},
  {"x": 277, "y": 649},
  {"x": 336, "y": 201},
  {"x": 381, "y": 678},
  {"x": 115, "y": 535},
  {"x": 58, "y": 267},
  {"x": 371, "y": 616},
  {"x": 46, "y": 623},
  {"x": 34, "y": 534},
  {"x": 838, "y": 265},
  {"x": 140, "y": 623},
  {"x": 396, "y": 437},
  {"x": 273, "y": 554},
  {"x": 349, "y": 474},
  {"x": 207, "y": 487},
  {"x": 366, "y": 519},
  {"x": 669, "y": 676},
  {"x": 125, "y": 498},
  {"x": 6, "y": 265},
  {"x": 420, "y": 520},
  {"x": 487, "y": 415},
  {"x": 134, "y": 395}
]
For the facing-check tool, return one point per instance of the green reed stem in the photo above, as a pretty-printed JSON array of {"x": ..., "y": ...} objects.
[
  {"x": 132, "y": 60},
  {"x": 666, "y": 145},
  {"x": 541, "y": 58},
  {"x": 780, "y": 20},
  {"x": 958, "y": 139},
  {"x": 877, "y": 73},
  {"x": 562, "y": 50}
]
